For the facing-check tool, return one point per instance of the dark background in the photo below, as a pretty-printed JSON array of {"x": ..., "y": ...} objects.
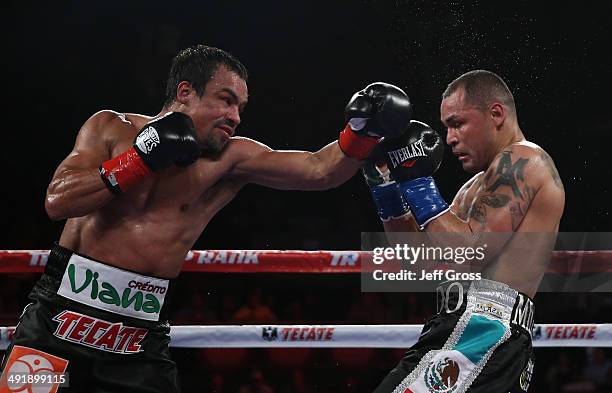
[{"x": 66, "y": 60}]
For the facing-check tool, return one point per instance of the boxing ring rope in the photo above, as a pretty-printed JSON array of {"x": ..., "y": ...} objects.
[
  {"x": 297, "y": 261},
  {"x": 325, "y": 336},
  {"x": 351, "y": 336}
]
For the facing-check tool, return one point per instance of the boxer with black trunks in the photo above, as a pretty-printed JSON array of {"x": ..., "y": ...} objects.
[
  {"x": 480, "y": 339},
  {"x": 137, "y": 191}
]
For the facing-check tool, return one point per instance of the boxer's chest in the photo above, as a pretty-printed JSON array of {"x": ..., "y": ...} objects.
[{"x": 185, "y": 189}]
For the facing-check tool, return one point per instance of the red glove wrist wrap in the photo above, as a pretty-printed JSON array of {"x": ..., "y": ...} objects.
[
  {"x": 356, "y": 146},
  {"x": 122, "y": 172}
]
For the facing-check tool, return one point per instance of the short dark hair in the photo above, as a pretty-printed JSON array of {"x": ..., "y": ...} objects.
[
  {"x": 481, "y": 88},
  {"x": 196, "y": 65}
]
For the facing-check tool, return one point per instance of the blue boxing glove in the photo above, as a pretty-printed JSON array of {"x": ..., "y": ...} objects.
[
  {"x": 412, "y": 158},
  {"x": 385, "y": 191},
  {"x": 424, "y": 199}
]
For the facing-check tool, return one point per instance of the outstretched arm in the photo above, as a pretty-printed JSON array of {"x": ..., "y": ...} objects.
[
  {"x": 292, "y": 170},
  {"x": 377, "y": 111}
]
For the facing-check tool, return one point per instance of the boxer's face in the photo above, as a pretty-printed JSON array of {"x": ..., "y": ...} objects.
[
  {"x": 216, "y": 114},
  {"x": 471, "y": 133}
]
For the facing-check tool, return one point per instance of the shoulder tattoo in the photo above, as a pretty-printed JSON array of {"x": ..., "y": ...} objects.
[
  {"x": 507, "y": 176},
  {"x": 507, "y": 173},
  {"x": 552, "y": 169},
  {"x": 478, "y": 209}
]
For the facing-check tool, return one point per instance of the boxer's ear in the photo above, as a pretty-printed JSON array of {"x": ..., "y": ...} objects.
[
  {"x": 498, "y": 113},
  {"x": 183, "y": 91}
]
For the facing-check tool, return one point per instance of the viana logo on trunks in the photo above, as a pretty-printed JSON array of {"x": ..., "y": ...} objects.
[
  {"x": 147, "y": 140},
  {"x": 111, "y": 289},
  {"x": 442, "y": 376}
]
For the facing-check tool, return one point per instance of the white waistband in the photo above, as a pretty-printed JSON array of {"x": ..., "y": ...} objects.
[{"x": 112, "y": 289}]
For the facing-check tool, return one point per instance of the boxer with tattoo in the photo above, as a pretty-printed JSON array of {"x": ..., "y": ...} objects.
[{"x": 517, "y": 191}]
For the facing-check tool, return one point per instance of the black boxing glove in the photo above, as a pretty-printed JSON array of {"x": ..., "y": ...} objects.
[
  {"x": 160, "y": 143},
  {"x": 412, "y": 158},
  {"x": 379, "y": 110},
  {"x": 416, "y": 153}
]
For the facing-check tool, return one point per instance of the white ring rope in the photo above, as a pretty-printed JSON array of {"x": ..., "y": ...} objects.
[
  {"x": 351, "y": 336},
  {"x": 323, "y": 336}
]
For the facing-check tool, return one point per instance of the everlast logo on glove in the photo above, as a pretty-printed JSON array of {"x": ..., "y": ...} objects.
[
  {"x": 112, "y": 289},
  {"x": 400, "y": 156},
  {"x": 147, "y": 140}
]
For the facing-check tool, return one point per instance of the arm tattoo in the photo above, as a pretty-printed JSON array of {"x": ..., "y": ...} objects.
[
  {"x": 463, "y": 211},
  {"x": 479, "y": 211},
  {"x": 516, "y": 214},
  {"x": 550, "y": 165},
  {"x": 507, "y": 173},
  {"x": 518, "y": 209}
]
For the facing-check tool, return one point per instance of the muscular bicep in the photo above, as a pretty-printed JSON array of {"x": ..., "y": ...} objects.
[
  {"x": 91, "y": 147},
  {"x": 286, "y": 170},
  {"x": 506, "y": 192},
  {"x": 77, "y": 188},
  {"x": 293, "y": 170}
]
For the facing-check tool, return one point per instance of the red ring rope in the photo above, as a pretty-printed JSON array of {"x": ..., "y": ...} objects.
[{"x": 297, "y": 261}]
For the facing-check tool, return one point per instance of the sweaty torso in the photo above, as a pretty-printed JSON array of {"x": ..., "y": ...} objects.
[
  {"x": 523, "y": 260},
  {"x": 151, "y": 228}
]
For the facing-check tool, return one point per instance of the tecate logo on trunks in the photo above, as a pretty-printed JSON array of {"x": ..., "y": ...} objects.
[
  {"x": 99, "y": 334},
  {"x": 114, "y": 290}
]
